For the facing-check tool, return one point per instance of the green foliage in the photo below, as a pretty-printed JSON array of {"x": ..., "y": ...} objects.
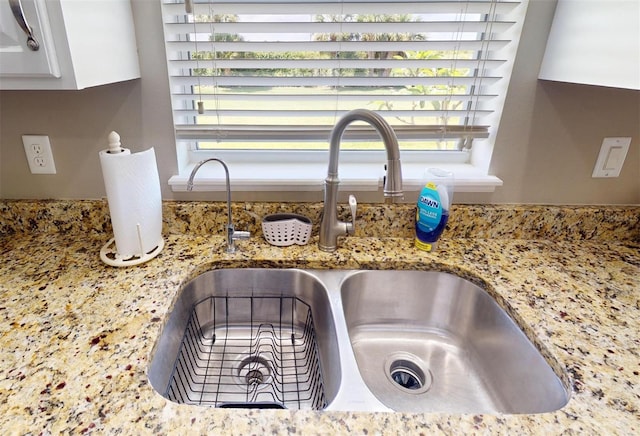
[
  {"x": 420, "y": 105},
  {"x": 446, "y": 103}
]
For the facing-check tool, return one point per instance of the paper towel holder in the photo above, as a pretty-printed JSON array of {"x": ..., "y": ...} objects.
[
  {"x": 135, "y": 240},
  {"x": 109, "y": 253}
]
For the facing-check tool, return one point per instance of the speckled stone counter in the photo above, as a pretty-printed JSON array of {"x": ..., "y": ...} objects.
[{"x": 76, "y": 335}]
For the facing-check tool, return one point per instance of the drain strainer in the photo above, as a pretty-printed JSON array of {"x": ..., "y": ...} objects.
[
  {"x": 408, "y": 373},
  {"x": 254, "y": 372}
]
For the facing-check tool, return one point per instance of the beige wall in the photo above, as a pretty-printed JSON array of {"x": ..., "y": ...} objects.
[{"x": 548, "y": 142}]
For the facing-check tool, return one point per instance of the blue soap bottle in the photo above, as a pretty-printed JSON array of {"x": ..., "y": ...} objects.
[{"x": 432, "y": 209}]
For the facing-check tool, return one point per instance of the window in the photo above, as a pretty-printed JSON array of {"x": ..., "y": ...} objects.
[{"x": 260, "y": 83}]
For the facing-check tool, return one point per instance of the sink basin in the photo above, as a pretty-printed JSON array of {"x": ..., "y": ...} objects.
[
  {"x": 249, "y": 338},
  {"x": 411, "y": 341},
  {"x": 432, "y": 341}
]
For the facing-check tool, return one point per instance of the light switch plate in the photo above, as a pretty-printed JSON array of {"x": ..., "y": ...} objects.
[{"x": 611, "y": 157}]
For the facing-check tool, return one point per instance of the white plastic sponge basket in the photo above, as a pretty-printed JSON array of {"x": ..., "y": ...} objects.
[{"x": 284, "y": 229}]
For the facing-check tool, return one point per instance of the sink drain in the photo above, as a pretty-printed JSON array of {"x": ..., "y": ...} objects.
[
  {"x": 406, "y": 373},
  {"x": 254, "y": 372},
  {"x": 407, "y": 378},
  {"x": 254, "y": 377}
]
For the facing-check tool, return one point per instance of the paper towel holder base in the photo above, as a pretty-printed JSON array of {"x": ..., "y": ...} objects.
[{"x": 110, "y": 256}]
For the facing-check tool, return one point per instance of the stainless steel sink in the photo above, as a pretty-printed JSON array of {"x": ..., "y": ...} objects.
[
  {"x": 432, "y": 341},
  {"x": 348, "y": 340}
]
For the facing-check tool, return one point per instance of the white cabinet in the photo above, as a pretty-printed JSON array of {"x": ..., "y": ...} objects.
[
  {"x": 594, "y": 42},
  {"x": 82, "y": 43}
]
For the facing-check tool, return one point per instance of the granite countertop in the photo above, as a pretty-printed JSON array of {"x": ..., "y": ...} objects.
[{"x": 76, "y": 335}]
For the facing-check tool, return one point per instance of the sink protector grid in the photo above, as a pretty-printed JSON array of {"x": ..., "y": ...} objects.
[{"x": 227, "y": 359}]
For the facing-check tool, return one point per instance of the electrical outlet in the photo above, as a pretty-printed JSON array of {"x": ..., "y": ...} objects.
[{"x": 39, "y": 155}]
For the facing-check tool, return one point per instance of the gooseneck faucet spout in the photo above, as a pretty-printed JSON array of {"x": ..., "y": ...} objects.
[
  {"x": 232, "y": 234},
  {"x": 330, "y": 227}
]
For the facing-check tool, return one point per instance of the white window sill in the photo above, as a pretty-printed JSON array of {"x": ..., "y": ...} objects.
[{"x": 307, "y": 176}]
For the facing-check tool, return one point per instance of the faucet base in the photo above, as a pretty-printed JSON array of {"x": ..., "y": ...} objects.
[{"x": 327, "y": 249}]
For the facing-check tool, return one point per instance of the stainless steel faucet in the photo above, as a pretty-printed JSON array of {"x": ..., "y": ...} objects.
[
  {"x": 232, "y": 234},
  {"x": 330, "y": 227}
]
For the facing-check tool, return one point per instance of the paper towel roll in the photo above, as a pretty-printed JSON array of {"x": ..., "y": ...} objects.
[{"x": 135, "y": 202}]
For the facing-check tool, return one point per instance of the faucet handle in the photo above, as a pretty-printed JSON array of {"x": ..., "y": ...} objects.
[
  {"x": 232, "y": 235},
  {"x": 353, "y": 205}
]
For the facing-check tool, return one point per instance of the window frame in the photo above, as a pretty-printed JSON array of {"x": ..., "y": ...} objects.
[{"x": 294, "y": 170}]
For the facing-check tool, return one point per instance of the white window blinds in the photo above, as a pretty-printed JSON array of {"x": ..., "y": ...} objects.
[{"x": 256, "y": 72}]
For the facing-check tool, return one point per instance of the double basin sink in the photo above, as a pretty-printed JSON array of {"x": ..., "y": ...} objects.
[{"x": 355, "y": 340}]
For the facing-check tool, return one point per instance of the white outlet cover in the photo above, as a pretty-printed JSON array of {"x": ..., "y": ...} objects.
[
  {"x": 39, "y": 156},
  {"x": 611, "y": 157}
]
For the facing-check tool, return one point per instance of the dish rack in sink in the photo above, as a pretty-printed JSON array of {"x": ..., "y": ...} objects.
[{"x": 252, "y": 351}]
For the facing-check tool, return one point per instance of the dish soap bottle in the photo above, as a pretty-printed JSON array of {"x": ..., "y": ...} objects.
[{"x": 434, "y": 203}]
